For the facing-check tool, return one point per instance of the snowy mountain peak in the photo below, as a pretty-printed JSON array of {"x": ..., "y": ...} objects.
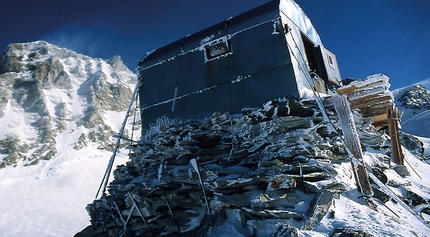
[
  {"x": 416, "y": 97},
  {"x": 53, "y": 97},
  {"x": 414, "y": 102}
]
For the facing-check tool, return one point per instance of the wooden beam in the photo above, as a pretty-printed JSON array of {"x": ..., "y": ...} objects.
[
  {"x": 372, "y": 102},
  {"x": 346, "y": 90},
  {"x": 393, "y": 125}
]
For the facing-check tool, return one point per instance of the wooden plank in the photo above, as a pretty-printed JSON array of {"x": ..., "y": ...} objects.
[
  {"x": 376, "y": 110},
  {"x": 346, "y": 90},
  {"x": 362, "y": 86},
  {"x": 374, "y": 103},
  {"x": 380, "y": 117},
  {"x": 372, "y": 99},
  {"x": 380, "y": 125}
]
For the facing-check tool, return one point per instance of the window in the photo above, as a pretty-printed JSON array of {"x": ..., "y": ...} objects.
[{"x": 330, "y": 61}]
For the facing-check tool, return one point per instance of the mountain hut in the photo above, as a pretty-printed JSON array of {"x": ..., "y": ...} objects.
[{"x": 272, "y": 51}]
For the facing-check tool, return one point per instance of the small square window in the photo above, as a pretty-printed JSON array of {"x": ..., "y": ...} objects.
[{"x": 217, "y": 48}]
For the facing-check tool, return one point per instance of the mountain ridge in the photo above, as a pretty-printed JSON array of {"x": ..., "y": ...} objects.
[
  {"x": 58, "y": 92},
  {"x": 414, "y": 102}
]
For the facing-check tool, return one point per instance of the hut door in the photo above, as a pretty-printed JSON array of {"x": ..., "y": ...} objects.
[{"x": 315, "y": 63}]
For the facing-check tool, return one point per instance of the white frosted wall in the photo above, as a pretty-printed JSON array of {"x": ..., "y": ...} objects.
[{"x": 293, "y": 16}]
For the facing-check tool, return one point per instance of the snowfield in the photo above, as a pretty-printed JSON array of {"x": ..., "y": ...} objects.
[
  {"x": 49, "y": 199},
  {"x": 391, "y": 219}
]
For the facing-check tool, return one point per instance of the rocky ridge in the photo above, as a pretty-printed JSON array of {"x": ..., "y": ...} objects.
[
  {"x": 417, "y": 97},
  {"x": 271, "y": 171},
  {"x": 414, "y": 102},
  {"x": 53, "y": 98}
]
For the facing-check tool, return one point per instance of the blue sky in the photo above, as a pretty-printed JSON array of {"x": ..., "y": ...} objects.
[{"x": 368, "y": 36}]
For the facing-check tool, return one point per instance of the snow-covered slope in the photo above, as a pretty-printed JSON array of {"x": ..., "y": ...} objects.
[
  {"x": 53, "y": 99},
  {"x": 58, "y": 112},
  {"x": 414, "y": 101}
]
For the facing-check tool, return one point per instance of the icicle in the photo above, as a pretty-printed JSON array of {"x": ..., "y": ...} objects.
[
  {"x": 196, "y": 168},
  {"x": 174, "y": 99},
  {"x": 301, "y": 170},
  {"x": 160, "y": 172},
  {"x": 231, "y": 152}
]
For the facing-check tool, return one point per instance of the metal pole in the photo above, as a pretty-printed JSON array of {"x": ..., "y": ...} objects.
[{"x": 105, "y": 179}]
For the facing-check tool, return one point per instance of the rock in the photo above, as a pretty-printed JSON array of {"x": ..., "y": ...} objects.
[
  {"x": 270, "y": 163},
  {"x": 413, "y": 144},
  {"x": 335, "y": 187},
  {"x": 415, "y": 199},
  {"x": 218, "y": 118},
  {"x": 425, "y": 213},
  {"x": 286, "y": 230},
  {"x": 207, "y": 226},
  {"x": 281, "y": 182},
  {"x": 381, "y": 196},
  {"x": 318, "y": 209},
  {"x": 324, "y": 132},
  {"x": 252, "y": 173},
  {"x": 420, "y": 98},
  {"x": 290, "y": 107},
  {"x": 372, "y": 139},
  {"x": 349, "y": 232},
  {"x": 276, "y": 214},
  {"x": 292, "y": 123},
  {"x": 207, "y": 125},
  {"x": 379, "y": 173},
  {"x": 272, "y": 227},
  {"x": 209, "y": 141},
  {"x": 401, "y": 170}
]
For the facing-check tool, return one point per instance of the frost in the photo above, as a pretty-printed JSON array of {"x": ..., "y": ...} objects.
[
  {"x": 347, "y": 123},
  {"x": 240, "y": 78},
  {"x": 206, "y": 39}
]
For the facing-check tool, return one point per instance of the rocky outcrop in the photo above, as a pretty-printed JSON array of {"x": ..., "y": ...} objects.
[
  {"x": 46, "y": 91},
  {"x": 414, "y": 104},
  {"x": 266, "y": 172},
  {"x": 416, "y": 98}
]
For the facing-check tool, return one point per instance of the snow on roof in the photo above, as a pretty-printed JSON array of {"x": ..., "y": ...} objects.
[{"x": 293, "y": 11}]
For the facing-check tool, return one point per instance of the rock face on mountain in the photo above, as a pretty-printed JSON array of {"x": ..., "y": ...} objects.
[
  {"x": 270, "y": 171},
  {"x": 417, "y": 97},
  {"x": 414, "y": 101},
  {"x": 53, "y": 98}
]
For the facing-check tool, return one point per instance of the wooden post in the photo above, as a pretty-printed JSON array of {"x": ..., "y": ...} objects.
[
  {"x": 352, "y": 143},
  {"x": 393, "y": 126}
]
